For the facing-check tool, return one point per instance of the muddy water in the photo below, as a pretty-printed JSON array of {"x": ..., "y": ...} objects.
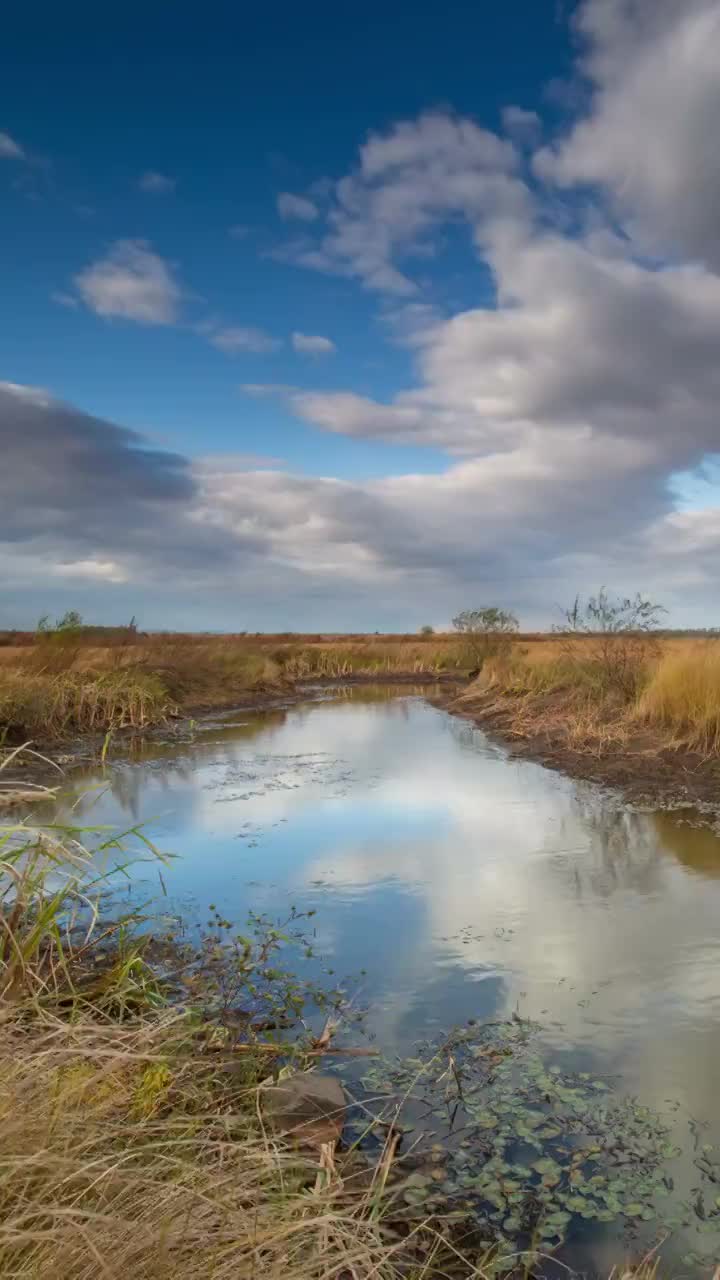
[{"x": 466, "y": 884}]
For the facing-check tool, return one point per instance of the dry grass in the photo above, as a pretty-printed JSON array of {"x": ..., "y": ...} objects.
[
  {"x": 124, "y": 1155},
  {"x": 66, "y": 685},
  {"x": 564, "y": 688},
  {"x": 54, "y": 705},
  {"x": 682, "y": 697},
  {"x": 571, "y": 694}
]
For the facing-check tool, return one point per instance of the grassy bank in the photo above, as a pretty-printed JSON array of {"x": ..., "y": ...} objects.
[
  {"x": 588, "y": 693},
  {"x": 65, "y": 683},
  {"x": 633, "y": 706}
]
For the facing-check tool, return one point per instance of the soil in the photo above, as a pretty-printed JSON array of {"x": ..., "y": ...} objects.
[{"x": 643, "y": 769}]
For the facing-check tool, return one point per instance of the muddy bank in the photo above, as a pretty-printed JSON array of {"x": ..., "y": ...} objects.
[{"x": 641, "y": 767}]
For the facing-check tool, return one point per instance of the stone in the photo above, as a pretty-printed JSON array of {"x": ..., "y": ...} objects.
[{"x": 308, "y": 1107}]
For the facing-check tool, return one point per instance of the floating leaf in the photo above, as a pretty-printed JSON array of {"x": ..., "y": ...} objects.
[
  {"x": 486, "y": 1120},
  {"x": 559, "y": 1218},
  {"x": 633, "y": 1210},
  {"x": 577, "y": 1203}
]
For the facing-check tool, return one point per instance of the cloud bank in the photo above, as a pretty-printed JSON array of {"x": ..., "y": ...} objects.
[{"x": 565, "y": 402}]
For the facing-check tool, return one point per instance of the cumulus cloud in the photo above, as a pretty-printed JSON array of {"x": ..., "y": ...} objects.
[
  {"x": 313, "y": 344},
  {"x": 131, "y": 282},
  {"x": 9, "y": 148},
  {"x": 299, "y": 208},
  {"x": 421, "y": 173},
  {"x": 86, "y": 501},
  {"x": 84, "y": 498},
  {"x": 158, "y": 184},
  {"x": 239, "y": 339},
  {"x": 564, "y": 404},
  {"x": 649, "y": 138}
]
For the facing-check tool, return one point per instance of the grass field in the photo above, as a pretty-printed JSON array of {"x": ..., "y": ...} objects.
[
  {"x": 68, "y": 683},
  {"x": 584, "y": 688}
]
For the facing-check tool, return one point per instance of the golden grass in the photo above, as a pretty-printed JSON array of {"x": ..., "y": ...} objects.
[
  {"x": 570, "y": 695},
  {"x": 69, "y": 685},
  {"x": 124, "y": 1155},
  {"x": 682, "y": 697},
  {"x": 52, "y": 689},
  {"x": 49, "y": 705}
]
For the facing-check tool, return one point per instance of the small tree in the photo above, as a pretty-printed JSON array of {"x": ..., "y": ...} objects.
[
  {"x": 488, "y": 632},
  {"x": 427, "y": 630},
  {"x": 621, "y": 635}
]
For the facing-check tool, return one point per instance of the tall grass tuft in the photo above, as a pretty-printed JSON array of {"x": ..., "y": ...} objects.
[
  {"x": 683, "y": 697},
  {"x": 126, "y": 1155},
  {"x": 52, "y": 706}
]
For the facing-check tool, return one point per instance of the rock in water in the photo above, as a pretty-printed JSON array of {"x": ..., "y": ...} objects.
[{"x": 307, "y": 1107}]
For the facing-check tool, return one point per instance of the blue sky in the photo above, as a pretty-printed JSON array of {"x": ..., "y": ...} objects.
[{"x": 368, "y": 277}]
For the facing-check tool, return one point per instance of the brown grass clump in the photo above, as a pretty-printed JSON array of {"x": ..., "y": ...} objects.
[
  {"x": 124, "y": 1155},
  {"x": 682, "y": 697},
  {"x": 38, "y": 704}
]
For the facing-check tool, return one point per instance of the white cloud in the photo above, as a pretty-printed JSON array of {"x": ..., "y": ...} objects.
[
  {"x": 131, "y": 282},
  {"x": 296, "y": 207},
  {"x": 157, "y": 183},
  {"x": 565, "y": 403},
  {"x": 9, "y": 148},
  {"x": 525, "y": 526},
  {"x": 313, "y": 344},
  {"x": 421, "y": 173},
  {"x": 92, "y": 570},
  {"x": 238, "y": 231},
  {"x": 649, "y": 137},
  {"x": 238, "y": 339}
]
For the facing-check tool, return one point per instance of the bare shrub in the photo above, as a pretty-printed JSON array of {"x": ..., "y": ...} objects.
[{"x": 610, "y": 640}]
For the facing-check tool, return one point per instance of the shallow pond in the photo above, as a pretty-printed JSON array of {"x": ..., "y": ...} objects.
[{"x": 465, "y": 884}]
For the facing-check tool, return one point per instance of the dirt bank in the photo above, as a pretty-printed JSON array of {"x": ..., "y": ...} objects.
[{"x": 640, "y": 766}]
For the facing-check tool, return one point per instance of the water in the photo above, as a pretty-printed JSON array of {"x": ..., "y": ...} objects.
[{"x": 465, "y": 883}]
